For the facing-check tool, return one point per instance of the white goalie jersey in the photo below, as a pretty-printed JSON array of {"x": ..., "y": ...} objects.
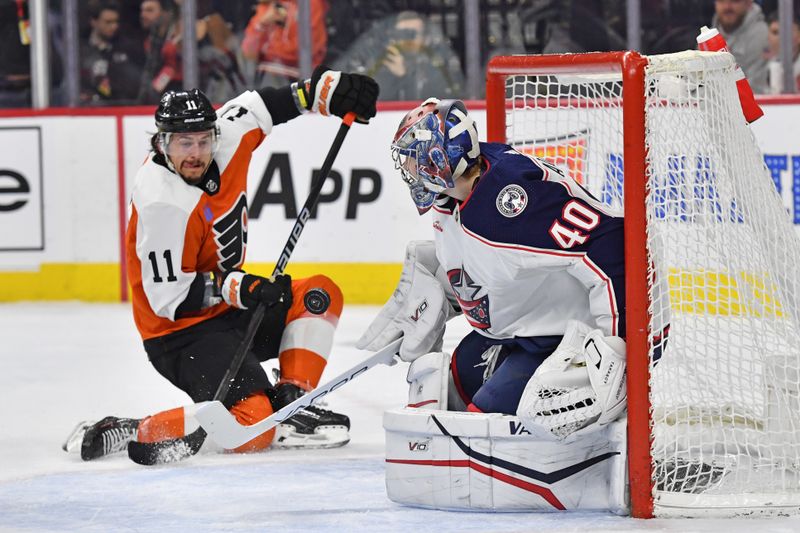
[{"x": 530, "y": 249}]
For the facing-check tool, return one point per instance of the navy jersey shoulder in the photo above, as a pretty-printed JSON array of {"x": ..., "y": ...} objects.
[
  {"x": 515, "y": 203},
  {"x": 504, "y": 162}
]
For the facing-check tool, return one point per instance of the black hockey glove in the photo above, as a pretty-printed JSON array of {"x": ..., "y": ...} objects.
[
  {"x": 331, "y": 92},
  {"x": 245, "y": 291}
]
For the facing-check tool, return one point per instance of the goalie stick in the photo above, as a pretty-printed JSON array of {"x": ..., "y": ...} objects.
[
  {"x": 225, "y": 430},
  {"x": 152, "y": 453}
]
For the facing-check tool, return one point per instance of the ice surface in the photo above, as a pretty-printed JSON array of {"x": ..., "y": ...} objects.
[{"x": 65, "y": 362}]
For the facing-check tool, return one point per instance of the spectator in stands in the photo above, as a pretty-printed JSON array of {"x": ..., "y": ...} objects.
[
  {"x": 15, "y": 65},
  {"x": 571, "y": 26},
  {"x": 220, "y": 76},
  {"x": 774, "y": 67},
  {"x": 271, "y": 39},
  {"x": 742, "y": 24},
  {"x": 416, "y": 61},
  {"x": 162, "y": 69},
  {"x": 108, "y": 73}
]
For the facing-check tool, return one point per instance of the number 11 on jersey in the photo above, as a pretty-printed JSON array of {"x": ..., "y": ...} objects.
[{"x": 170, "y": 270}]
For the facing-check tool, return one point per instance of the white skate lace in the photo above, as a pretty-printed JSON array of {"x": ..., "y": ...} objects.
[{"x": 115, "y": 440}]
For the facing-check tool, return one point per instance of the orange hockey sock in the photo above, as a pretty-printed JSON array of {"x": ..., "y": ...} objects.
[
  {"x": 252, "y": 409},
  {"x": 162, "y": 426},
  {"x": 171, "y": 424}
]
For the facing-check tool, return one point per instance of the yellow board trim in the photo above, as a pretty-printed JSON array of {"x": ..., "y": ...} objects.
[
  {"x": 89, "y": 282},
  {"x": 699, "y": 292},
  {"x": 361, "y": 283},
  {"x": 706, "y": 292}
]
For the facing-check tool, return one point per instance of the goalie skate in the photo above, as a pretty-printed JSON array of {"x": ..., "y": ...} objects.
[{"x": 311, "y": 427}]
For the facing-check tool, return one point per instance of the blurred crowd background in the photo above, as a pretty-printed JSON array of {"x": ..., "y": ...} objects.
[{"x": 126, "y": 52}]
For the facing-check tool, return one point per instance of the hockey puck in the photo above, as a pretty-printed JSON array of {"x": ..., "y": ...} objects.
[{"x": 317, "y": 301}]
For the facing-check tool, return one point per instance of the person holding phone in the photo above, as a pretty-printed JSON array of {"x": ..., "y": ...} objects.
[
  {"x": 410, "y": 58},
  {"x": 271, "y": 39}
]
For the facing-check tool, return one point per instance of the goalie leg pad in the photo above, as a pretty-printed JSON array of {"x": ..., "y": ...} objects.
[
  {"x": 488, "y": 461},
  {"x": 428, "y": 381}
]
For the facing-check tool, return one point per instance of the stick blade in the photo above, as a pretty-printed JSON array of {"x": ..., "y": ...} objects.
[
  {"x": 226, "y": 431},
  {"x": 221, "y": 426},
  {"x": 166, "y": 451}
]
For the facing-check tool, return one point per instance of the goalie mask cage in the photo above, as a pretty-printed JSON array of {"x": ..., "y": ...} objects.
[{"x": 712, "y": 274}]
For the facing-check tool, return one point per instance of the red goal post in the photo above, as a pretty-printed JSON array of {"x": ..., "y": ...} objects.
[
  {"x": 663, "y": 137},
  {"x": 636, "y": 259}
]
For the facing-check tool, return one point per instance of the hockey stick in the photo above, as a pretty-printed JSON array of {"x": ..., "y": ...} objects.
[
  {"x": 181, "y": 448},
  {"x": 288, "y": 248},
  {"x": 225, "y": 430}
]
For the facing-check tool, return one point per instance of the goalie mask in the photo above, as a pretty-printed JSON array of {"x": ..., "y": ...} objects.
[
  {"x": 187, "y": 127},
  {"x": 435, "y": 144}
]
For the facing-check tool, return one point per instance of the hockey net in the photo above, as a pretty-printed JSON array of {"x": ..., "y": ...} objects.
[{"x": 711, "y": 264}]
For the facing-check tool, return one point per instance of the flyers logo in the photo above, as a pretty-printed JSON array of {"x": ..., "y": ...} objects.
[{"x": 230, "y": 234}]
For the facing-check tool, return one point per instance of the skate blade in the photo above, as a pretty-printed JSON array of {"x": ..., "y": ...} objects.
[
  {"x": 324, "y": 437},
  {"x": 73, "y": 442}
]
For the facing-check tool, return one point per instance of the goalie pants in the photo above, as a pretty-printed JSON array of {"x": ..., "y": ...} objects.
[{"x": 493, "y": 380}]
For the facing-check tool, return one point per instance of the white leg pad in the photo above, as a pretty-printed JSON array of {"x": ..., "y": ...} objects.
[
  {"x": 488, "y": 461},
  {"x": 428, "y": 379}
]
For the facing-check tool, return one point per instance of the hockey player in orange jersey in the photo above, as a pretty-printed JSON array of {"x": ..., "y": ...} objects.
[{"x": 186, "y": 243}]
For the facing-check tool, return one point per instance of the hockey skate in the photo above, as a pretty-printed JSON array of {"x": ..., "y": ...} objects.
[
  {"x": 108, "y": 436},
  {"x": 311, "y": 427},
  {"x": 75, "y": 438}
]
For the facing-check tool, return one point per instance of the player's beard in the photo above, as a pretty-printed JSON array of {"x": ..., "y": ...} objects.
[{"x": 193, "y": 172}]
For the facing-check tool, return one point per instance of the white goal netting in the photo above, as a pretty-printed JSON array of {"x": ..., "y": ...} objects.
[{"x": 724, "y": 278}]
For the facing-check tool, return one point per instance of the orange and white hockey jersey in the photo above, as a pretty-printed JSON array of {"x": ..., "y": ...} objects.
[{"x": 178, "y": 232}]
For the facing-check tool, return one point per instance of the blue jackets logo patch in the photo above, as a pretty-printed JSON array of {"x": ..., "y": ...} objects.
[
  {"x": 512, "y": 201},
  {"x": 474, "y": 307}
]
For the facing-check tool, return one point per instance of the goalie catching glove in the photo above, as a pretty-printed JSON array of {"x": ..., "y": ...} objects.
[
  {"x": 418, "y": 309},
  {"x": 580, "y": 384},
  {"x": 330, "y": 92},
  {"x": 246, "y": 291}
]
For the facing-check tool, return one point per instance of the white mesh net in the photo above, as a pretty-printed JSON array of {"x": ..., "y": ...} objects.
[{"x": 724, "y": 278}]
